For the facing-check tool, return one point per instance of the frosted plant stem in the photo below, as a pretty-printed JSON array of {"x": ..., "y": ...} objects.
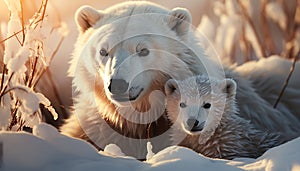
[
  {"x": 21, "y": 124},
  {"x": 34, "y": 21},
  {"x": 14, "y": 120},
  {"x": 11, "y": 89},
  {"x": 18, "y": 39},
  {"x": 16, "y": 33},
  {"x": 33, "y": 72},
  {"x": 287, "y": 80},
  {"x": 45, "y": 2},
  {"x": 40, "y": 74},
  {"x": 6, "y": 85},
  {"x": 9, "y": 37},
  {"x": 3, "y": 76},
  {"x": 22, "y": 21}
]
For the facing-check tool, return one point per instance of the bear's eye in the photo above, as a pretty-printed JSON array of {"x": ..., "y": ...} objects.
[
  {"x": 182, "y": 105},
  {"x": 103, "y": 52},
  {"x": 143, "y": 52},
  {"x": 206, "y": 105}
]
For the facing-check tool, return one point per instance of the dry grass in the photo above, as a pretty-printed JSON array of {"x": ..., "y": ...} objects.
[
  {"x": 260, "y": 29},
  {"x": 37, "y": 64}
]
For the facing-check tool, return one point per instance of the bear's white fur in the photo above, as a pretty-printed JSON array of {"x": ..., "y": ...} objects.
[
  {"x": 123, "y": 30},
  {"x": 205, "y": 118},
  {"x": 132, "y": 49}
]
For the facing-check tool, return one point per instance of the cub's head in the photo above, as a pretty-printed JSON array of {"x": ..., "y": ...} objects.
[
  {"x": 134, "y": 47},
  {"x": 197, "y": 104}
]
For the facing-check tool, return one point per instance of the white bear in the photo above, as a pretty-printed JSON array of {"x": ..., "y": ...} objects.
[
  {"x": 205, "y": 118},
  {"x": 121, "y": 61}
]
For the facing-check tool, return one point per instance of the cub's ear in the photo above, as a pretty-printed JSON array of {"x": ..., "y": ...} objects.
[
  {"x": 179, "y": 20},
  {"x": 230, "y": 87},
  {"x": 87, "y": 17},
  {"x": 171, "y": 86}
]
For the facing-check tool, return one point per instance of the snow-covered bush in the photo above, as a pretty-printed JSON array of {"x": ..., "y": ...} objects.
[{"x": 27, "y": 55}]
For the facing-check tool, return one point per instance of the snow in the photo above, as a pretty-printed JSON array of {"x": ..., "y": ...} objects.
[
  {"x": 13, "y": 26},
  {"x": 279, "y": 158},
  {"x": 29, "y": 107},
  {"x": 4, "y": 117},
  {"x": 47, "y": 149},
  {"x": 150, "y": 153},
  {"x": 46, "y": 102},
  {"x": 113, "y": 149}
]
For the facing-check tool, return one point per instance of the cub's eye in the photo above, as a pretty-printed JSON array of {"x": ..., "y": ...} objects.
[
  {"x": 182, "y": 105},
  {"x": 206, "y": 105},
  {"x": 103, "y": 52},
  {"x": 143, "y": 52}
]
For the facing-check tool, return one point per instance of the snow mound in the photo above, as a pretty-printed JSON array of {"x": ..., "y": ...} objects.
[
  {"x": 48, "y": 150},
  {"x": 281, "y": 158},
  {"x": 113, "y": 149}
]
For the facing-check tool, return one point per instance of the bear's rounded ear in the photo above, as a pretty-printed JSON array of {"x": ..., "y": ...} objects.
[
  {"x": 87, "y": 17},
  {"x": 179, "y": 20},
  {"x": 171, "y": 86},
  {"x": 230, "y": 87}
]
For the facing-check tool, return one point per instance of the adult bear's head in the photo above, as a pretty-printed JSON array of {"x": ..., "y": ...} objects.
[{"x": 135, "y": 47}]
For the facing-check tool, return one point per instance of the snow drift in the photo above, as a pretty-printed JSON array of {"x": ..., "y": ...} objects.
[{"x": 47, "y": 149}]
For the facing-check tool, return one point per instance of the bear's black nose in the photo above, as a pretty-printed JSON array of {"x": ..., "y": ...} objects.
[
  {"x": 118, "y": 86},
  {"x": 192, "y": 123}
]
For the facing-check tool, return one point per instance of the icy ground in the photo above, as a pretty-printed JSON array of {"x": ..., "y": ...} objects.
[{"x": 48, "y": 150}]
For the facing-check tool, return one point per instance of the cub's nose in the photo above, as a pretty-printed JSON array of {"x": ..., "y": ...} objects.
[
  {"x": 192, "y": 123},
  {"x": 118, "y": 86}
]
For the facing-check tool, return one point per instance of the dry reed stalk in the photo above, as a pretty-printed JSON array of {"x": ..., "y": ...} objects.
[
  {"x": 35, "y": 68},
  {"x": 287, "y": 79},
  {"x": 250, "y": 21},
  {"x": 22, "y": 21}
]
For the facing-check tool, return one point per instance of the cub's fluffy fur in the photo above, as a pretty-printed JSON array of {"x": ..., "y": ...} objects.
[{"x": 216, "y": 130}]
